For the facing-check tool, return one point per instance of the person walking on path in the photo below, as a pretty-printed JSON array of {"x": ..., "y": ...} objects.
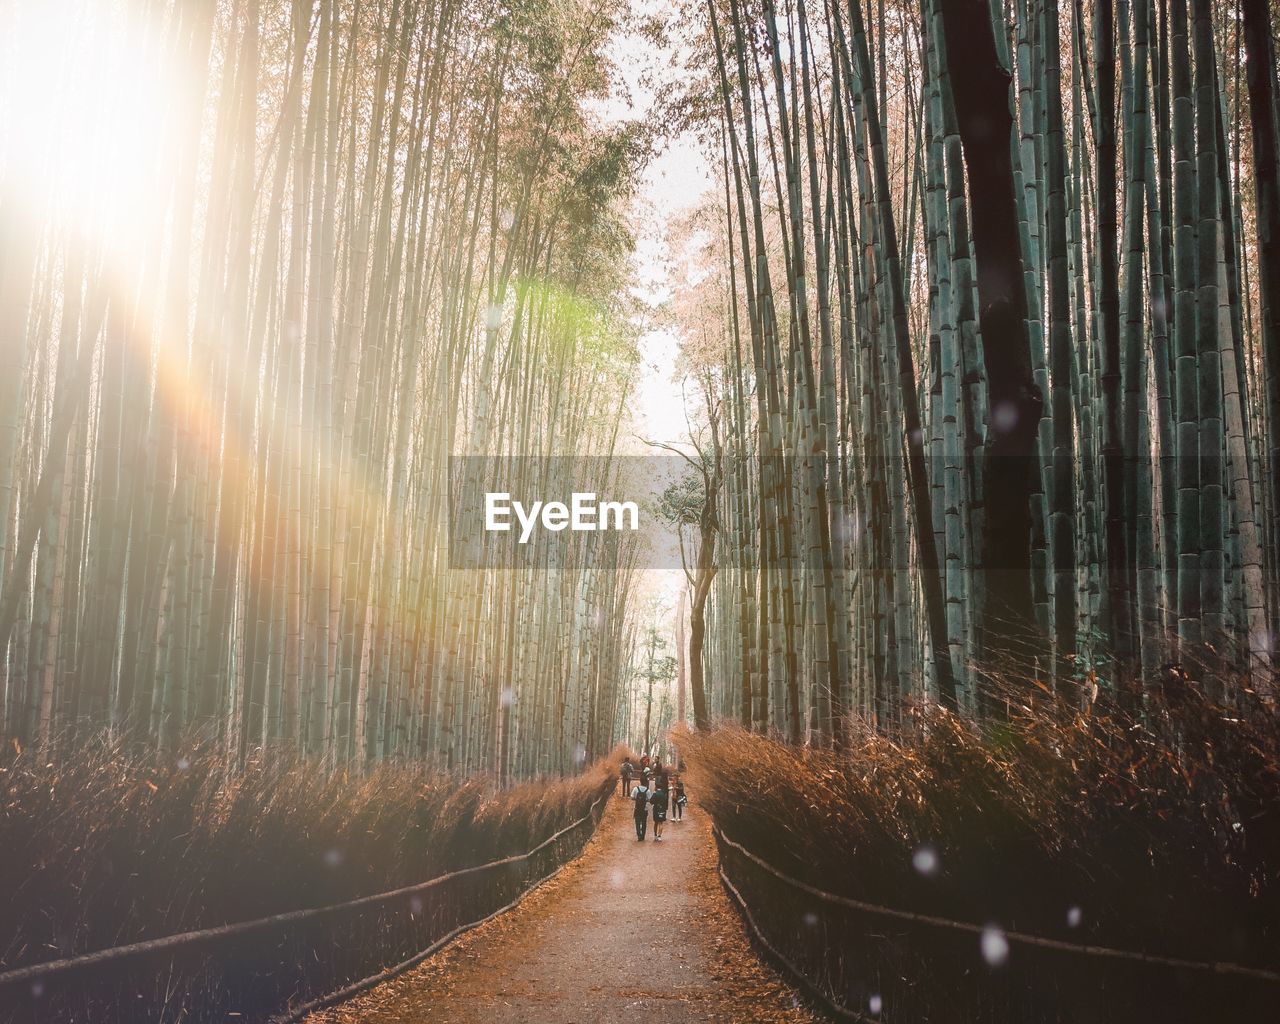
[
  {"x": 660, "y": 801},
  {"x": 640, "y": 797},
  {"x": 627, "y": 769},
  {"x": 677, "y": 805}
]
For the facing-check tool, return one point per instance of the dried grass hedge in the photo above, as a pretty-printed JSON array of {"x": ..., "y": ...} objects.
[
  {"x": 1155, "y": 830},
  {"x": 103, "y": 847}
]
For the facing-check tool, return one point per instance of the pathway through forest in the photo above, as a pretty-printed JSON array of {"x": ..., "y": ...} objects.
[{"x": 628, "y": 932}]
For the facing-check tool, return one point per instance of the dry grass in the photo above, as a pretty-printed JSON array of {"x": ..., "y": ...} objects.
[
  {"x": 104, "y": 847},
  {"x": 1161, "y": 825}
]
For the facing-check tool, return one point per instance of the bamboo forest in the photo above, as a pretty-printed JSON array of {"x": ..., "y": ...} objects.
[{"x": 446, "y": 442}]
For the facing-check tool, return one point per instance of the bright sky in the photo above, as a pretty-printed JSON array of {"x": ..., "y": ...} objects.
[{"x": 673, "y": 185}]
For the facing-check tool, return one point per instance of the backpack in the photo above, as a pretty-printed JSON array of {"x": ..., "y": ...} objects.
[
  {"x": 660, "y": 800},
  {"x": 641, "y": 799}
]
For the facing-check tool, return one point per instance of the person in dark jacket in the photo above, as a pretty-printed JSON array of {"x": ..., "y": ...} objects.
[
  {"x": 627, "y": 771},
  {"x": 640, "y": 798},
  {"x": 660, "y": 801},
  {"x": 677, "y": 805}
]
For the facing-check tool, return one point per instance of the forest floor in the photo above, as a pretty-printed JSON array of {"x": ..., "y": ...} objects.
[{"x": 629, "y": 931}]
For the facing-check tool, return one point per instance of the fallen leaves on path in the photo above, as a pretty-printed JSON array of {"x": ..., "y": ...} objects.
[{"x": 626, "y": 931}]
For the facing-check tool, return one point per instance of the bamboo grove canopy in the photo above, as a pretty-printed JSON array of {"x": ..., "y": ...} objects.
[
  {"x": 266, "y": 266},
  {"x": 993, "y": 288}
]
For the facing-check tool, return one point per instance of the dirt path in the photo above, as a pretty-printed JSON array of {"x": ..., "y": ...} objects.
[{"x": 628, "y": 932}]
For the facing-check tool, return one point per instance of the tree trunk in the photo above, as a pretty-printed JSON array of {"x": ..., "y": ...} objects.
[{"x": 982, "y": 90}]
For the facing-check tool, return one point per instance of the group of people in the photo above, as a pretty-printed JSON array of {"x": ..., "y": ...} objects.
[{"x": 653, "y": 789}]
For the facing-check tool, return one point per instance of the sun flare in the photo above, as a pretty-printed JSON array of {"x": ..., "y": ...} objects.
[{"x": 87, "y": 108}]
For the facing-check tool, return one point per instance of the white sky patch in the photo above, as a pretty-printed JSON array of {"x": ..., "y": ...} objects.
[{"x": 672, "y": 185}]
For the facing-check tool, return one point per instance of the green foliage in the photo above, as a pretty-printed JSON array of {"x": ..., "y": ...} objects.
[{"x": 681, "y": 503}]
